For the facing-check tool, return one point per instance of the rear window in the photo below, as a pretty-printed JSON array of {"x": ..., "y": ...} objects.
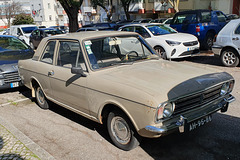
[
  {"x": 28, "y": 29},
  {"x": 185, "y": 18},
  {"x": 206, "y": 17}
]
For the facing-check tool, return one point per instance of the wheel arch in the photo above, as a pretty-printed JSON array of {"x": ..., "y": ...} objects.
[
  {"x": 33, "y": 83},
  {"x": 229, "y": 47},
  {"x": 111, "y": 106}
]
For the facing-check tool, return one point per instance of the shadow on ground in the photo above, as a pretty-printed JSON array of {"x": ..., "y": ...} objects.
[{"x": 8, "y": 156}]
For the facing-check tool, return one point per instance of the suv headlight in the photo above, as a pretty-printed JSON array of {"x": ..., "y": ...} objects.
[
  {"x": 173, "y": 43},
  {"x": 165, "y": 110}
]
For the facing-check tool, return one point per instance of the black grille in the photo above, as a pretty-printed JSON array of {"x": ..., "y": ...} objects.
[
  {"x": 11, "y": 77},
  {"x": 193, "y": 43},
  {"x": 197, "y": 100}
]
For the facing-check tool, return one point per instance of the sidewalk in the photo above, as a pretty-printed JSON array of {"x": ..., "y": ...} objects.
[{"x": 14, "y": 145}]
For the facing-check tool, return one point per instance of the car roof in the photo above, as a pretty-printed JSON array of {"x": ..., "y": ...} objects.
[
  {"x": 142, "y": 24},
  {"x": 193, "y": 11}
]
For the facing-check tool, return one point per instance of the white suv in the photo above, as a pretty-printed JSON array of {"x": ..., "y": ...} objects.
[
  {"x": 167, "y": 42},
  {"x": 227, "y": 44}
]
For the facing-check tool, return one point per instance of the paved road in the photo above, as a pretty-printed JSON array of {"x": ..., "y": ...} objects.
[{"x": 66, "y": 135}]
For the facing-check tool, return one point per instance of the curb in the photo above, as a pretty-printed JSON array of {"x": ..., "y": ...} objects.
[{"x": 33, "y": 147}]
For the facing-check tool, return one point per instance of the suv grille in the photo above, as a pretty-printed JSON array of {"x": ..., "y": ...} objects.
[
  {"x": 11, "y": 77},
  {"x": 193, "y": 43},
  {"x": 197, "y": 100}
]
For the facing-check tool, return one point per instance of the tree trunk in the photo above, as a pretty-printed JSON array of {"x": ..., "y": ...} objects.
[
  {"x": 73, "y": 20},
  {"x": 126, "y": 12}
]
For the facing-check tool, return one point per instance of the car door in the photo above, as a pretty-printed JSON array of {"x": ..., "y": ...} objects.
[
  {"x": 68, "y": 88},
  {"x": 236, "y": 37},
  {"x": 44, "y": 66}
]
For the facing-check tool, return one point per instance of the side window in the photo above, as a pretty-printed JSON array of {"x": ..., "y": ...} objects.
[
  {"x": 70, "y": 55},
  {"x": 221, "y": 17},
  {"x": 206, "y": 17},
  {"x": 19, "y": 31},
  {"x": 142, "y": 32},
  {"x": 48, "y": 53},
  {"x": 237, "y": 31},
  {"x": 128, "y": 29}
]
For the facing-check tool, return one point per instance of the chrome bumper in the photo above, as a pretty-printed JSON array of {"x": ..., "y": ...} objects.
[{"x": 180, "y": 123}]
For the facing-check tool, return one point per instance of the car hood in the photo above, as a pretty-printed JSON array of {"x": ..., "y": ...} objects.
[
  {"x": 180, "y": 37},
  {"x": 158, "y": 79},
  {"x": 8, "y": 66}
]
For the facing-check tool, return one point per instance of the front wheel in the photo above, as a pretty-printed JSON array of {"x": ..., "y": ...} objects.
[
  {"x": 229, "y": 58},
  {"x": 161, "y": 52},
  {"x": 41, "y": 99},
  {"x": 120, "y": 131}
]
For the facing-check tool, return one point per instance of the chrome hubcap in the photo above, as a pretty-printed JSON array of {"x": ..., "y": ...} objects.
[
  {"x": 229, "y": 58},
  {"x": 160, "y": 52},
  {"x": 40, "y": 95},
  {"x": 120, "y": 130}
]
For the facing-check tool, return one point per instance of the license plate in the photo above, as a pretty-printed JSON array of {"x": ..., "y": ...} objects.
[
  {"x": 192, "y": 48},
  {"x": 15, "y": 84},
  {"x": 200, "y": 122}
]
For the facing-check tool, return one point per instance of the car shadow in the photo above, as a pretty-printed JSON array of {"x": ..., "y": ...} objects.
[{"x": 218, "y": 139}]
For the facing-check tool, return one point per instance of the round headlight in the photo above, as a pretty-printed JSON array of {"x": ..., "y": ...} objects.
[
  {"x": 224, "y": 89},
  {"x": 168, "y": 109}
]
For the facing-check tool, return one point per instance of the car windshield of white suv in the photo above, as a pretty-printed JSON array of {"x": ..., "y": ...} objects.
[
  {"x": 28, "y": 29},
  {"x": 111, "y": 51},
  {"x": 160, "y": 30}
]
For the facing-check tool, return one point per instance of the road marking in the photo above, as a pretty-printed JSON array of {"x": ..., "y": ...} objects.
[{"x": 20, "y": 100}]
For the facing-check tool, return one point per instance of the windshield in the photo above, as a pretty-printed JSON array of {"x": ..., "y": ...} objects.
[
  {"x": 160, "y": 30},
  {"x": 109, "y": 51},
  {"x": 28, "y": 29},
  {"x": 14, "y": 49},
  {"x": 53, "y": 32}
]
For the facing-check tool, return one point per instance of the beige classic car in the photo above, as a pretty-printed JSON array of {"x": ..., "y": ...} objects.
[{"x": 116, "y": 79}]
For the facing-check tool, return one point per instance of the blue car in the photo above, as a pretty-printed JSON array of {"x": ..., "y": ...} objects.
[
  {"x": 12, "y": 49},
  {"x": 204, "y": 24}
]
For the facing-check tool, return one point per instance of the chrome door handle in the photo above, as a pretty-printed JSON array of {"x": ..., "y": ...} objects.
[
  {"x": 235, "y": 39},
  {"x": 50, "y": 73}
]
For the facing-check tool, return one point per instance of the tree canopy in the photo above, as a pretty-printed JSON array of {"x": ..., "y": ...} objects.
[
  {"x": 23, "y": 19},
  {"x": 72, "y": 8}
]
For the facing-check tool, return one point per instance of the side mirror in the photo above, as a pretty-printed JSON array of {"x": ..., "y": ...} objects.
[{"x": 78, "y": 70}]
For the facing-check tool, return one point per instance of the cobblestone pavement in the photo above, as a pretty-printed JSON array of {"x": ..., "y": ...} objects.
[{"x": 12, "y": 148}]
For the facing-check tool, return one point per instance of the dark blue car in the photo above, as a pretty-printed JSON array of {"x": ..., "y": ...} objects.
[
  {"x": 11, "y": 50},
  {"x": 204, "y": 24}
]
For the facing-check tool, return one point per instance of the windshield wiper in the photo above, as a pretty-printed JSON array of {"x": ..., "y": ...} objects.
[{"x": 122, "y": 63}]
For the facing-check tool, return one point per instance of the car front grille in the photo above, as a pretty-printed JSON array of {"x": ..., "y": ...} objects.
[
  {"x": 193, "y": 43},
  {"x": 11, "y": 77},
  {"x": 197, "y": 100}
]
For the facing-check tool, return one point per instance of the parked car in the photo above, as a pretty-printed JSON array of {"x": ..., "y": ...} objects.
[
  {"x": 167, "y": 21},
  {"x": 38, "y": 34},
  {"x": 160, "y": 20},
  {"x": 64, "y": 29},
  {"x": 227, "y": 44},
  {"x": 102, "y": 26},
  {"x": 115, "y": 79},
  {"x": 5, "y": 32},
  {"x": 167, "y": 42},
  {"x": 22, "y": 31},
  {"x": 142, "y": 20},
  {"x": 11, "y": 50},
  {"x": 204, "y": 24},
  {"x": 232, "y": 16},
  {"x": 87, "y": 29}
]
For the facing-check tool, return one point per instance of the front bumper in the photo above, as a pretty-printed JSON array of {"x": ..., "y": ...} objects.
[
  {"x": 182, "y": 120},
  {"x": 11, "y": 85}
]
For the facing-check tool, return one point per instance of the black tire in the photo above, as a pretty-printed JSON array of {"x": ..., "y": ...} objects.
[
  {"x": 125, "y": 139},
  {"x": 161, "y": 52},
  {"x": 40, "y": 98},
  {"x": 31, "y": 45},
  {"x": 208, "y": 41},
  {"x": 230, "y": 57}
]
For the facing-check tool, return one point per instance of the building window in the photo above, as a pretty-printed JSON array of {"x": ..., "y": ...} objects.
[
  {"x": 49, "y": 6},
  {"x": 50, "y": 17}
]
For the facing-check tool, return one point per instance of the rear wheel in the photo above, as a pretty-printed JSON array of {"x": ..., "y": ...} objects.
[
  {"x": 208, "y": 41},
  {"x": 41, "y": 99},
  {"x": 161, "y": 52},
  {"x": 229, "y": 58},
  {"x": 121, "y": 131}
]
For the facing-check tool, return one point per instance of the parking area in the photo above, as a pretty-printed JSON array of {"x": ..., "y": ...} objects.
[{"x": 66, "y": 135}]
